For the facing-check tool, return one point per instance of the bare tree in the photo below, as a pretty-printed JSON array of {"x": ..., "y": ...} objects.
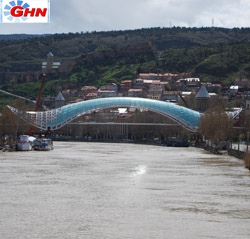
[
  {"x": 8, "y": 123},
  {"x": 215, "y": 125}
]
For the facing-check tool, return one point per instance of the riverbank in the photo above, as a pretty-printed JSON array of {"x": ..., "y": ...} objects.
[{"x": 242, "y": 155}]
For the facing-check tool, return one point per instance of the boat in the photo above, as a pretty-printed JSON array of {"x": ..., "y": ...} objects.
[
  {"x": 23, "y": 143},
  {"x": 43, "y": 144}
]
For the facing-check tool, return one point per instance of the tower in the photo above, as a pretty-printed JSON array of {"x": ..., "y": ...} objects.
[
  {"x": 50, "y": 66},
  {"x": 59, "y": 101},
  {"x": 50, "y": 60},
  {"x": 202, "y": 99}
]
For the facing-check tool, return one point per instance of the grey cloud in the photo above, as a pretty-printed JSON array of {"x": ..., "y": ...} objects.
[{"x": 85, "y": 15}]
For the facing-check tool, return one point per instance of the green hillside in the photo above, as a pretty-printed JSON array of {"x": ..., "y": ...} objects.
[
  {"x": 26, "y": 54},
  {"x": 214, "y": 54}
]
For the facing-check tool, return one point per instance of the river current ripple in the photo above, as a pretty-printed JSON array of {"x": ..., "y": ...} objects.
[{"x": 113, "y": 191}]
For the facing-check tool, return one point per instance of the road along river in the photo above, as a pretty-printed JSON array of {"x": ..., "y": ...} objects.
[{"x": 117, "y": 191}]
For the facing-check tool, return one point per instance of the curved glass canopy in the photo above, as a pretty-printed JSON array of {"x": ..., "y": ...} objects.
[{"x": 57, "y": 118}]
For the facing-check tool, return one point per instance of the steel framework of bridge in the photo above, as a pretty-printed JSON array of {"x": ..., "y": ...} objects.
[{"x": 57, "y": 118}]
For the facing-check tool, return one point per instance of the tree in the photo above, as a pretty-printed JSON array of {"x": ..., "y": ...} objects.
[
  {"x": 215, "y": 125},
  {"x": 8, "y": 123},
  {"x": 216, "y": 101}
]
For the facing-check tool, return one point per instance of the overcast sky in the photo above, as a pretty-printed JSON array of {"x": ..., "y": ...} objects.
[{"x": 104, "y": 15}]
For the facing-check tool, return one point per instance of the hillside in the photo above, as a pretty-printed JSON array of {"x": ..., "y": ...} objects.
[
  {"x": 26, "y": 54},
  {"x": 214, "y": 54}
]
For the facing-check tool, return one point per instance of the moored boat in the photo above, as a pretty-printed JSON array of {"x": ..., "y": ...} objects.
[
  {"x": 24, "y": 144},
  {"x": 43, "y": 144}
]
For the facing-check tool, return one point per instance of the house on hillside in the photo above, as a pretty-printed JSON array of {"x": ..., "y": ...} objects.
[
  {"x": 139, "y": 84},
  {"x": 112, "y": 87},
  {"x": 155, "y": 92},
  {"x": 172, "y": 96},
  {"x": 125, "y": 86},
  {"x": 91, "y": 96},
  {"x": 234, "y": 89},
  {"x": 136, "y": 93},
  {"x": 106, "y": 93},
  {"x": 87, "y": 90},
  {"x": 243, "y": 83}
]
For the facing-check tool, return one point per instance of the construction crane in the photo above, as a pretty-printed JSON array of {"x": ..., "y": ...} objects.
[
  {"x": 38, "y": 101},
  {"x": 185, "y": 102},
  {"x": 182, "y": 98}
]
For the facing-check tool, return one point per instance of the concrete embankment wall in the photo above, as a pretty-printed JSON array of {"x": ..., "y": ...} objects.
[
  {"x": 236, "y": 153},
  {"x": 232, "y": 152}
]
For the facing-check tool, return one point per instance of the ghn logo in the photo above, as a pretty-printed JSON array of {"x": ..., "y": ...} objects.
[{"x": 29, "y": 11}]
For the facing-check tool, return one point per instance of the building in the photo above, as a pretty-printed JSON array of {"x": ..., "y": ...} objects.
[
  {"x": 69, "y": 94},
  {"x": 125, "y": 86},
  {"x": 87, "y": 90},
  {"x": 91, "y": 96},
  {"x": 213, "y": 88},
  {"x": 59, "y": 100},
  {"x": 50, "y": 66},
  {"x": 192, "y": 84},
  {"x": 136, "y": 93},
  {"x": 187, "y": 84},
  {"x": 202, "y": 99},
  {"x": 149, "y": 76},
  {"x": 155, "y": 92},
  {"x": 112, "y": 87},
  {"x": 170, "y": 77},
  {"x": 172, "y": 96},
  {"x": 106, "y": 93},
  {"x": 161, "y": 77},
  {"x": 139, "y": 84},
  {"x": 234, "y": 89},
  {"x": 148, "y": 83},
  {"x": 242, "y": 83},
  {"x": 48, "y": 101}
]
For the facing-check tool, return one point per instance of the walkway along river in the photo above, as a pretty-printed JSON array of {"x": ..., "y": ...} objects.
[{"x": 102, "y": 190}]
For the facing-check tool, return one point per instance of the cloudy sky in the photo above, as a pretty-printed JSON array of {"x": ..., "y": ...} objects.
[{"x": 104, "y": 15}]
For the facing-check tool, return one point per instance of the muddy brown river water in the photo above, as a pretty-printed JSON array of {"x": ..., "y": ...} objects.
[{"x": 123, "y": 191}]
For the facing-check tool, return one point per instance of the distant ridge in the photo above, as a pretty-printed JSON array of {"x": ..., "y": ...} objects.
[{"x": 13, "y": 37}]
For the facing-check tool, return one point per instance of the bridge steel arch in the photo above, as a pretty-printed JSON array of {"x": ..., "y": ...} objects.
[{"x": 57, "y": 118}]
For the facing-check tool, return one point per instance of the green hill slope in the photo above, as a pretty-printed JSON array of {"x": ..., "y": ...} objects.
[{"x": 218, "y": 55}]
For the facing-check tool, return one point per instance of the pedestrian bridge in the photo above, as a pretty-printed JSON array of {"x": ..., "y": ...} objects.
[{"x": 57, "y": 118}]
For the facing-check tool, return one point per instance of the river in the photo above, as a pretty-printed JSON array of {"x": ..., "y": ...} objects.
[{"x": 123, "y": 191}]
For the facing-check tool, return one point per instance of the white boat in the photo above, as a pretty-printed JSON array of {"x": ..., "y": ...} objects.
[
  {"x": 24, "y": 143},
  {"x": 43, "y": 144}
]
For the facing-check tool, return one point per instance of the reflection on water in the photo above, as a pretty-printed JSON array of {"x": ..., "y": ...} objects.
[
  {"x": 141, "y": 169},
  {"x": 88, "y": 190}
]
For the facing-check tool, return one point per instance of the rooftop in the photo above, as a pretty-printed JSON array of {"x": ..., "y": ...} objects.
[
  {"x": 50, "y": 54},
  {"x": 203, "y": 93},
  {"x": 135, "y": 90},
  {"x": 60, "y": 97},
  {"x": 88, "y": 88}
]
